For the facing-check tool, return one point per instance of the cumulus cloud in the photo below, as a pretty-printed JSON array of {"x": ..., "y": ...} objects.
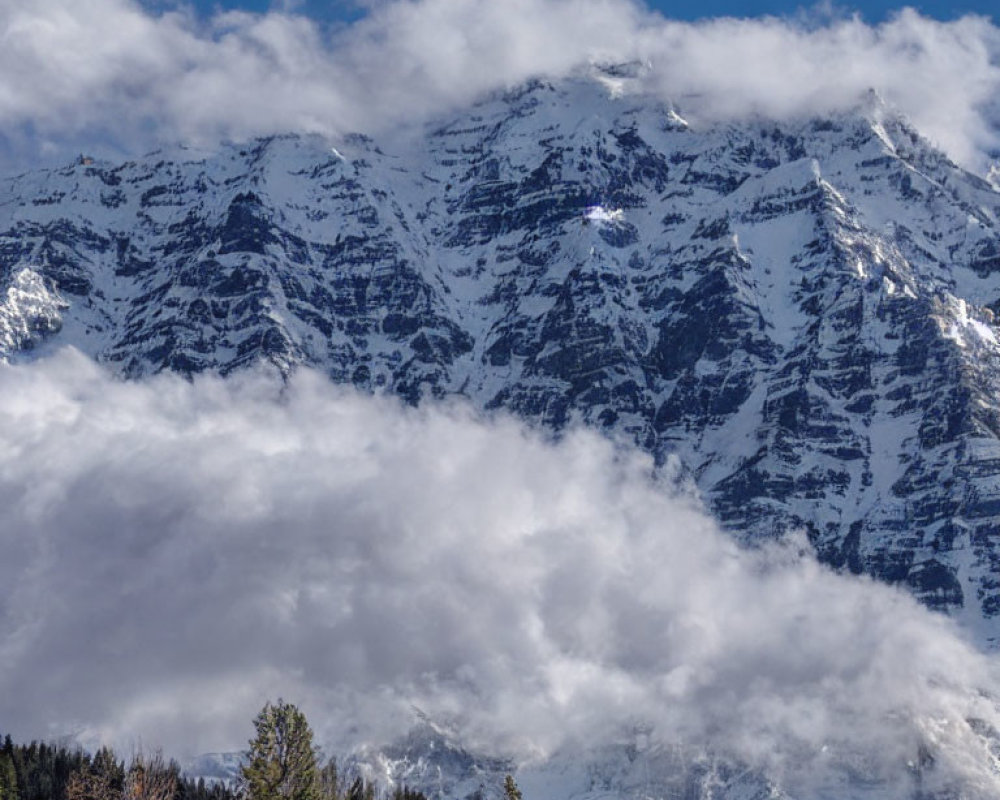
[
  {"x": 97, "y": 73},
  {"x": 174, "y": 554}
]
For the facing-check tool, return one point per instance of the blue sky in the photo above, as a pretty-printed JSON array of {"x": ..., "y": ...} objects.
[{"x": 870, "y": 10}]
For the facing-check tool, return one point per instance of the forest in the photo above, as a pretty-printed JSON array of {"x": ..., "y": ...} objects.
[{"x": 281, "y": 764}]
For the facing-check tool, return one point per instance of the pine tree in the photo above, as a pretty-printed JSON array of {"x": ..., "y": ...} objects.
[
  {"x": 8, "y": 778},
  {"x": 102, "y": 779},
  {"x": 110, "y": 769},
  {"x": 404, "y": 792},
  {"x": 510, "y": 790},
  {"x": 281, "y": 764},
  {"x": 329, "y": 781}
]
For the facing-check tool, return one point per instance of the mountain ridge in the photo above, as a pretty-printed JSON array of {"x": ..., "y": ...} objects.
[{"x": 802, "y": 312}]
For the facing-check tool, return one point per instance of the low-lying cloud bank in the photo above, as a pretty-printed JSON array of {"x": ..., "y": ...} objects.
[
  {"x": 99, "y": 73},
  {"x": 174, "y": 554}
]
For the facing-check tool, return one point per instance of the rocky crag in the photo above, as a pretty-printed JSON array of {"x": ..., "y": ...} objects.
[{"x": 801, "y": 312}]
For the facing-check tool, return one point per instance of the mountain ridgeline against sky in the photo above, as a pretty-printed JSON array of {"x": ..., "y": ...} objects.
[{"x": 802, "y": 313}]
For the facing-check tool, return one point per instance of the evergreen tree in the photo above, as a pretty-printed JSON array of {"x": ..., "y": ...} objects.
[
  {"x": 406, "y": 793},
  {"x": 360, "y": 789},
  {"x": 192, "y": 789},
  {"x": 110, "y": 769},
  {"x": 329, "y": 781},
  {"x": 41, "y": 771},
  {"x": 102, "y": 779},
  {"x": 510, "y": 790},
  {"x": 356, "y": 791},
  {"x": 8, "y": 777},
  {"x": 281, "y": 764}
]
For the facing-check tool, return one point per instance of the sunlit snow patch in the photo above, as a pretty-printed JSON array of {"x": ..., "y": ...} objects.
[
  {"x": 993, "y": 176},
  {"x": 675, "y": 120},
  {"x": 29, "y": 310},
  {"x": 605, "y": 215},
  {"x": 958, "y": 324}
]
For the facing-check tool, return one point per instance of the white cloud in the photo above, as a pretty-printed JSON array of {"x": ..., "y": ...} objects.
[
  {"x": 943, "y": 76},
  {"x": 92, "y": 72},
  {"x": 176, "y": 553}
]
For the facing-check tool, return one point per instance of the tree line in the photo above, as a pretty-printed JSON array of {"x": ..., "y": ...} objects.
[
  {"x": 42, "y": 771},
  {"x": 282, "y": 764}
]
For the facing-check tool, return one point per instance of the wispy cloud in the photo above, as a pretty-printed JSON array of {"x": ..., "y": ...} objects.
[
  {"x": 107, "y": 71},
  {"x": 175, "y": 553}
]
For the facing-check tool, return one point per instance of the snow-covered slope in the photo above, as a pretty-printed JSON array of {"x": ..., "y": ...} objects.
[{"x": 802, "y": 312}]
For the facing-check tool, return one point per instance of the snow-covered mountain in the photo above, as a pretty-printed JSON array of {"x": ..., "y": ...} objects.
[
  {"x": 802, "y": 312},
  {"x": 434, "y": 760}
]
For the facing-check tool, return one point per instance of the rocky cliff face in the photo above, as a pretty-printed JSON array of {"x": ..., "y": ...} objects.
[{"x": 802, "y": 313}]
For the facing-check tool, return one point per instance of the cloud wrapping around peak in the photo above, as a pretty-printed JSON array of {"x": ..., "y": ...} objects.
[
  {"x": 106, "y": 72},
  {"x": 176, "y": 553}
]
